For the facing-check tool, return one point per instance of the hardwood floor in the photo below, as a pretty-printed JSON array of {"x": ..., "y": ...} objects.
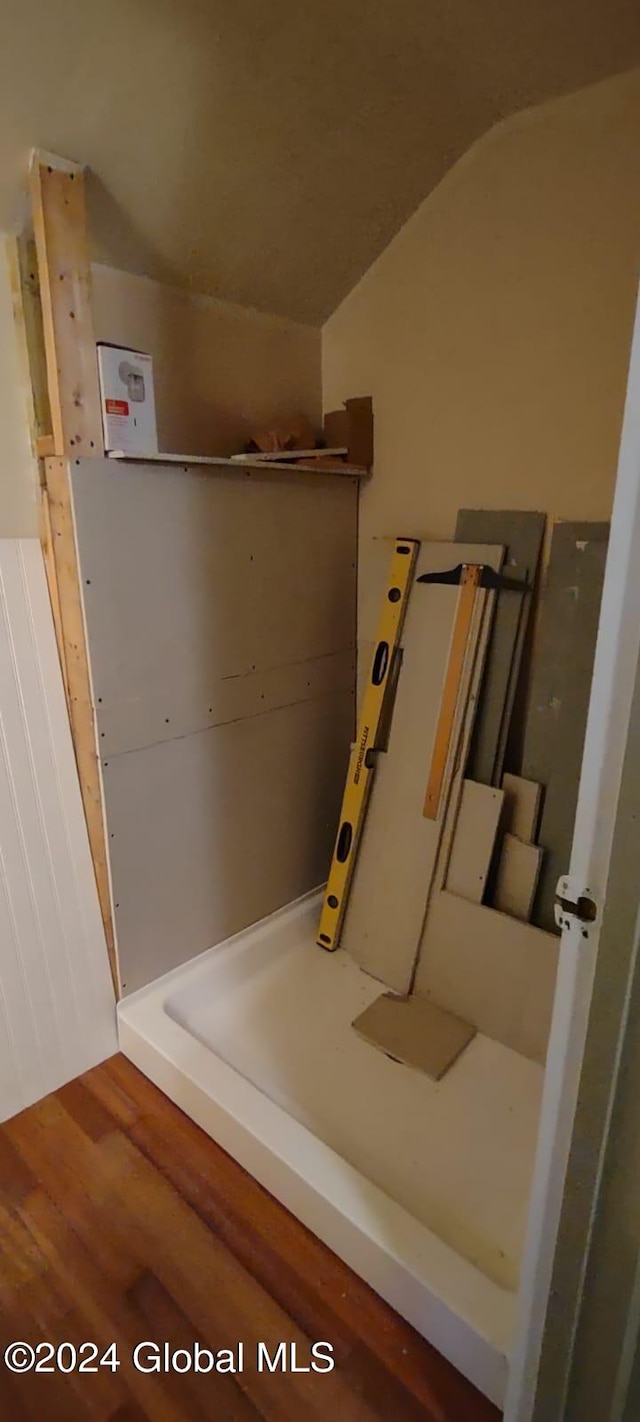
[{"x": 121, "y": 1221}]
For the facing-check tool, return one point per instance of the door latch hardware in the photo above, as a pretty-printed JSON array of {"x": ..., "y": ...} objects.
[{"x": 573, "y": 902}]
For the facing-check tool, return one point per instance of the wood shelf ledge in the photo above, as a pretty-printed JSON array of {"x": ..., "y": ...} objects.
[{"x": 288, "y": 466}]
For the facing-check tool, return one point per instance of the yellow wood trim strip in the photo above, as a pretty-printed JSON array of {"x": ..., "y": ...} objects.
[
  {"x": 469, "y": 583},
  {"x": 81, "y": 710}
]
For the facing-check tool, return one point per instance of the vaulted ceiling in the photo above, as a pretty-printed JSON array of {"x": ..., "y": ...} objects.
[{"x": 266, "y": 151}]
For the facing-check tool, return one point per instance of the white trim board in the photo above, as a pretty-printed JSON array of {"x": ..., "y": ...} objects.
[
  {"x": 288, "y": 456},
  {"x": 57, "y": 1016},
  {"x": 241, "y": 466},
  {"x": 616, "y": 663}
]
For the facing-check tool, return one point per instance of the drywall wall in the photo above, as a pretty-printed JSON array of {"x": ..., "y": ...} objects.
[
  {"x": 494, "y": 331},
  {"x": 220, "y": 612},
  {"x": 221, "y": 371},
  {"x": 18, "y": 472},
  {"x": 57, "y": 1008}
]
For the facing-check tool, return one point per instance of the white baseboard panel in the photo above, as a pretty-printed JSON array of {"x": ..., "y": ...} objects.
[{"x": 57, "y": 1009}]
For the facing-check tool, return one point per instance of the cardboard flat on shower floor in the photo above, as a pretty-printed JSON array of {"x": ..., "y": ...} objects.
[{"x": 415, "y": 1031}]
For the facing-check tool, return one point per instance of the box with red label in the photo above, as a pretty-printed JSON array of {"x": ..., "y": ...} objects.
[{"x": 127, "y": 399}]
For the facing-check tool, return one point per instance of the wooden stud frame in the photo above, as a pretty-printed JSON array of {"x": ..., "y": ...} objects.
[
  {"x": 60, "y": 230},
  {"x": 22, "y": 264},
  {"x": 55, "y": 308},
  {"x": 57, "y": 500},
  {"x": 27, "y": 315}
]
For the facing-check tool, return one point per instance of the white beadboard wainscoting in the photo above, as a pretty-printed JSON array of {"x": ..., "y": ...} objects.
[{"x": 57, "y": 1010}]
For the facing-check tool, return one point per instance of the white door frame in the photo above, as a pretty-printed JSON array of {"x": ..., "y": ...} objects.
[{"x": 616, "y": 658}]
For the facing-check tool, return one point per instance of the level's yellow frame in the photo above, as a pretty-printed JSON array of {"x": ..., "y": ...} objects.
[{"x": 361, "y": 763}]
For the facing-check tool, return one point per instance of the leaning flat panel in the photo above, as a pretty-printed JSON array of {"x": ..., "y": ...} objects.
[
  {"x": 492, "y": 970},
  {"x": 474, "y": 837},
  {"x": 560, "y": 691},
  {"x": 220, "y": 617},
  {"x": 397, "y": 858},
  {"x": 212, "y": 831}
]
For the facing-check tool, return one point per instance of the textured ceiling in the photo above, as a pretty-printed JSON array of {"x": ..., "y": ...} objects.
[{"x": 265, "y": 151}]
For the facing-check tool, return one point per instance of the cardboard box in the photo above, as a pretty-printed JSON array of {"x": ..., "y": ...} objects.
[
  {"x": 127, "y": 400},
  {"x": 352, "y": 426}
]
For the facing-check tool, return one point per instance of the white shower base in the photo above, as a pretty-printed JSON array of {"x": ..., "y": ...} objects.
[{"x": 421, "y": 1187}]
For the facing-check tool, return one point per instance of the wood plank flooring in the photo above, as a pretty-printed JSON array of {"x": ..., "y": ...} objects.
[{"x": 120, "y": 1221}]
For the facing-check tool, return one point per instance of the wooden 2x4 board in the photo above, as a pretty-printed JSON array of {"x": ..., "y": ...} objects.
[{"x": 399, "y": 846}]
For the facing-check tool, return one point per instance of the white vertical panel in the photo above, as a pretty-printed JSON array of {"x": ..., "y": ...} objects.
[
  {"x": 57, "y": 1015},
  {"x": 558, "y": 1177}
]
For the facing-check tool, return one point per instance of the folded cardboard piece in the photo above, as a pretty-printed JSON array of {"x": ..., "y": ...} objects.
[
  {"x": 352, "y": 428},
  {"x": 347, "y": 439}
]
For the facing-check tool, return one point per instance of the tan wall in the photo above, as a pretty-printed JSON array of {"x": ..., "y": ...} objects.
[
  {"x": 494, "y": 331},
  {"x": 494, "y": 336},
  {"x": 18, "y": 471},
  {"x": 219, "y": 369}
]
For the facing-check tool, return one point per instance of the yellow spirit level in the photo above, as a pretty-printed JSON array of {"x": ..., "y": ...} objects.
[{"x": 362, "y": 761}]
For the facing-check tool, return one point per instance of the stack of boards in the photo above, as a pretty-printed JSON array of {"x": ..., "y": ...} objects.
[{"x": 442, "y": 883}]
